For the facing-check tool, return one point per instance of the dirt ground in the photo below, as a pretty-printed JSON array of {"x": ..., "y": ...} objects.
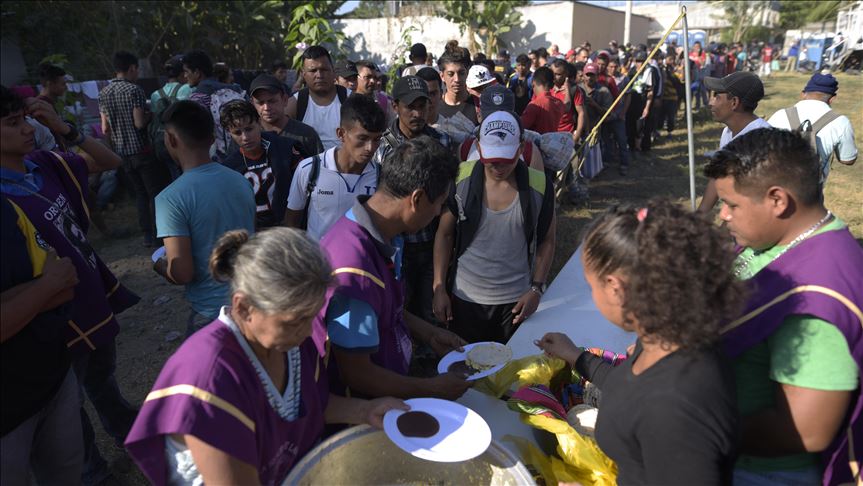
[{"x": 153, "y": 329}]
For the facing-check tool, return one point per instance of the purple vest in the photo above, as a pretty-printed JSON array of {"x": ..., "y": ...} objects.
[
  {"x": 361, "y": 272},
  {"x": 821, "y": 277},
  {"x": 63, "y": 223},
  {"x": 210, "y": 389}
]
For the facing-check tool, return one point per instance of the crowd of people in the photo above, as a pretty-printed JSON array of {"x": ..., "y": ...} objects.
[{"x": 333, "y": 231}]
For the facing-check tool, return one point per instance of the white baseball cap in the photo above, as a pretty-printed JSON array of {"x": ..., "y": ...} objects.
[
  {"x": 499, "y": 138},
  {"x": 479, "y": 75}
]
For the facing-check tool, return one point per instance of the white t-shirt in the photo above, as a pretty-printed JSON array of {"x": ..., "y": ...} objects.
[
  {"x": 324, "y": 119},
  {"x": 753, "y": 125},
  {"x": 838, "y": 135},
  {"x": 334, "y": 192}
]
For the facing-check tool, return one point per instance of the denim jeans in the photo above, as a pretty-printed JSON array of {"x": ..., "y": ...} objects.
[
  {"x": 668, "y": 115},
  {"x": 418, "y": 271},
  {"x": 148, "y": 177},
  {"x": 47, "y": 444},
  {"x": 95, "y": 371},
  {"x": 805, "y": 477},
  {"x": 615, "y": 136},
  {"x": 107, "y": 188},
  {"x": 197, "y": 321}
]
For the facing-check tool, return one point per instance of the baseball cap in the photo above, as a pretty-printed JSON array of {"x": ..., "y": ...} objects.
[
  {"x": 479, "y": 75},
  {"x": 742, "y": 84},
  {"x": 496, "y": 98},
  {"x": 499, "y": 138},
  {"x": 570, "y": 52},
  {"x": 345, "y": 68},
  {"x": 591, "y": 68},
  {"x": 409, "y": 88},
  {"x": 641, "y": 56},
  {"x": 822, "y": 83},
  {"x": 604, "y": 54},
  {"x": 418, "y": 50},
  {"x": 267, "y": 82}
]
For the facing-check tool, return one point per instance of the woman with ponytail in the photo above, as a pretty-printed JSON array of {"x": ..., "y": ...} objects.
[
  {"x": 668, "y": 413},
  {"x": 243, "y": 399}
]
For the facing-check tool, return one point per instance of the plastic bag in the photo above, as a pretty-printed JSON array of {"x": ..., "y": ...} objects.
[
  {"x": 556, "y": 148},
  {"x": 592, "y": 162},
  {"x": 537, "y": 369},
  {"x": 582, "y": 459}
]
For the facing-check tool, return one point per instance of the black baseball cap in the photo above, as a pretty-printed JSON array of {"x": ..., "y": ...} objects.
[
  {"x": 408, "y": 88},
  {"x": 418, "y": 50},
  {"x": 742, "y": 84},
  {"x": 496, "y": 98},
  {"x": 345, "y": 68},
  {"x": 268, "y": 82}
]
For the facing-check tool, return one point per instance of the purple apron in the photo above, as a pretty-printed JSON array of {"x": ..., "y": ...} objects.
[
  {"x": 821, "y": 277},
  {"x": 210, "y": 389},
  {"x": 362, "y": 273},
  {"x": 62, "y": 219}
]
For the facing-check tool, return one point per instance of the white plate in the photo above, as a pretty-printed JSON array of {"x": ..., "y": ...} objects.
[
  {"x": 462, "y": 435},
  {"x": 159, "y": 253},
  {"x": 453, "y": 356}
]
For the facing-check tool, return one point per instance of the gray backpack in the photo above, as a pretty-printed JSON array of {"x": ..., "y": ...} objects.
[{"x": 809, "y": 129}]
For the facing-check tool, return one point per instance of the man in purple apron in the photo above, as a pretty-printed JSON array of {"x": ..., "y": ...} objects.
[
  {"x": 364, "y": 319},
  {"x": 798, "y": 346},
  {"x": 50, "y": 188}
]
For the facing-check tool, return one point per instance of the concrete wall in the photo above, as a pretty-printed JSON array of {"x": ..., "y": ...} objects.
[
  {"x": 566, "y": 24},
  {"x": 599, "y": 26},
  {"x": 542, "y": 25}
]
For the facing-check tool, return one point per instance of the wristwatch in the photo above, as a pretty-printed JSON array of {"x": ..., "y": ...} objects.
[
  {"x": 538, "y": 287},
  {"x": 73, "y": 137}
]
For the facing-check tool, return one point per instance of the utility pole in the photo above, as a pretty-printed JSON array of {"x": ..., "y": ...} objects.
[{"x": 627, "y": 22}]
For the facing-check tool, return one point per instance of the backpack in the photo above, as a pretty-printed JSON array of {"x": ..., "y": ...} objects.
[
  {"x": 313, "y": 182},
  {"x": 303, "y": 100},
  {"x": 155, "y": 129},
  {"x": 217, "y": 99},
  {"x": 807, "y": 129},
  {"x": 310, "y": 188}
]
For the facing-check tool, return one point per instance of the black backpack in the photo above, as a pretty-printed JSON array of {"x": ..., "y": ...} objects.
[
  {"x": 155, "y": 129},
  {"x": 303, "y": 100}
]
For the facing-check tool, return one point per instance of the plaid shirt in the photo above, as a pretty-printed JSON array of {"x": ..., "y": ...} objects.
[
  {"x": 393, "y": 134},
  {"x": 116, "y": 101}
]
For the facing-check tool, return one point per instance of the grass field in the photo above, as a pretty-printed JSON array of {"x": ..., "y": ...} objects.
[{"x": 665, "y": 172}]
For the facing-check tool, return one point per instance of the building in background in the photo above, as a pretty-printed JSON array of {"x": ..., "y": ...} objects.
[
  {"x": 567, "y": 24},
  {"x": 707, "y": 16}
]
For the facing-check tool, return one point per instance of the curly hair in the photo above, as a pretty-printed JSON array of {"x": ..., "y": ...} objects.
[
  {"x": 675, "y": 267},
  {"x": 769, "y": 157}
]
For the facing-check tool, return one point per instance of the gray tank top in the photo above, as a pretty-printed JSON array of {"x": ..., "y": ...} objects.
[{"x": 494, "y": 268}]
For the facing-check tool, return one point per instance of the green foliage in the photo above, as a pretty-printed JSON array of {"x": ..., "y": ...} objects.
[
  {"x": 370, "y": 9},
  {"x": 794, "y": 14},
  {"x": 740, "y": 15},
  {"x": 484, "y": 21},
  {"x": 310, "y": 25},
  {"x": 402, "y": 47},
  {"x": 243, "y": 34}
]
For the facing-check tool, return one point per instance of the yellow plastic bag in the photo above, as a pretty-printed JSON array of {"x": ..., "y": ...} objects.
[
  {"x": 537, "y": 369},
  {"x": 582, "y": 459}
]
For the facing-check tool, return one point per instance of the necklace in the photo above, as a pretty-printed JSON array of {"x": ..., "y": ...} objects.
[{"x": 738, "y": 270}]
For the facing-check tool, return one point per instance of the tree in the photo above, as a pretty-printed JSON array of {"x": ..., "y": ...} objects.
[
  {"x": 483, "y": 20},
  {"x": 797, "y": 13},
  {"x": 243, "y": 34},
  {"x": 740, "y": 15},
  {"x": 310, "y": 26}
]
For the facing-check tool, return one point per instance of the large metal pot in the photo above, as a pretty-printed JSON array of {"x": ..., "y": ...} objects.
[{"x": 364, "y": 456}]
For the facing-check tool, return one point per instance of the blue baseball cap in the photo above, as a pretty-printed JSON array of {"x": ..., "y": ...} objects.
[{"x": 822, "y": 83}]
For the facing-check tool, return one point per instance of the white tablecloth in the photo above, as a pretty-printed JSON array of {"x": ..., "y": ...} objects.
[{"x": 566, "y": 307}]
